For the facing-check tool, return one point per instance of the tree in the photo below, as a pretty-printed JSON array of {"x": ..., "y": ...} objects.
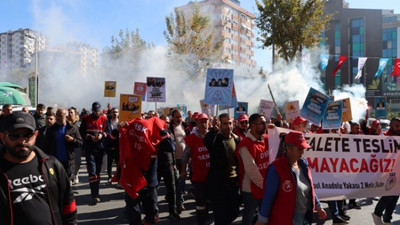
[
  {"x": 291, "y": 25},
  {"x": 193, "y": 39}
]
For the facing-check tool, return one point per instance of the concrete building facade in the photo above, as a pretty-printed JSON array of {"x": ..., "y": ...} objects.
[
  {"x": 371, "y": 33},
  {"x": 232, "y": 22}
]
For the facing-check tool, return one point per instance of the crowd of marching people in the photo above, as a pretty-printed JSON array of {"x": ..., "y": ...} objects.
[{"x": 226, "y": 161}]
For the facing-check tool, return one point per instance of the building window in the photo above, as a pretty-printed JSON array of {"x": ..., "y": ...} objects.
[
  {"x": 234, "y": 52},
  {"x": 357, "y": 46},
  {"x": 389, "y": 50},
  {"x": 234, "y": 42},
  {"x": 228, "y": 30},
  {"x": 228, "y": 50},
  {"x": 234, "y": 22},
  {"x": 228, "y": 40}
]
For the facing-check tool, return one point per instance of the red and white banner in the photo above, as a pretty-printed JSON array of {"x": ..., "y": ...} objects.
[
  {"x": 340, "y": 63},
  {"x": 396, "y": 68},
  {"x": 139, "y": 88},
  {"x": 349, "y": 166}
]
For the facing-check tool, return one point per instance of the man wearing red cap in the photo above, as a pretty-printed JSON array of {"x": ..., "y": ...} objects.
[
  {"x": 289, "y": 186},
  {"x": 243, "y": 125},
  {"x": 198, "y": 152},
  {"x": 376, "y": 128},
  {"x": 252, "y": 153},
  {"x": 299, "y": 124}
]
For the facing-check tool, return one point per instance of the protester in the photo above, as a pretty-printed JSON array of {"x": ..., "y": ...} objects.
[
  {"x": 198, "y": 153},
  {"x": 222, "y": 180},
  {"x": 179, "y": 130},
  {"x": 111, "y": 142},
  {"x": 93, "y": 131},
  {"x": 376, "y": 128},
  {"x": 50, "y": 120},
  {"x": 74, "y": 120},
  {"x": 40, "y": 116},
  {"x": 294, "y": 202},
  {"x": 300, "y": 124},
  {"x": 387, "y": 203},
  {"x": 53, "y": 201},
  {"x": 6, "y": 110},
  {"x": 243, "y": 125},
  {"x": 167, "y": 167},
  {"x": 61, "y": 139},
  {"x": 253, "y": 157}
]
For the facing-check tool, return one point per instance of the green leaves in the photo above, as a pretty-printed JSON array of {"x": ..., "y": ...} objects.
[
  {"x": 374, "y": 85},
  {"x": 290, "y": 25}
]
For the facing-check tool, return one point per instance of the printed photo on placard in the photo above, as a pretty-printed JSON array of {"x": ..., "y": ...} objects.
[
  {"x": 206, "y": 108},
  {"x": 130, "y": 107},
  {"x": 155, "y": 89},
  {"x": 380, "y": 108},
  {"x": 110, "y": 88},
  {"x": 242, "y": 108},
  {"x": 219, "y": 84}
]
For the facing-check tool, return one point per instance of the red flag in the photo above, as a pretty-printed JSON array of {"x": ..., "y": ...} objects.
[
  {"x": 396, "y": 68},
  {"x": 340, "y": 63},
  {"x": 136, "y": 146}
]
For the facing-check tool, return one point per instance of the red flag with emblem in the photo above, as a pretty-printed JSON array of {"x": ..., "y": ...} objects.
[
  {"x": 340, "y": 63},
  {"x": 396, "y": 68}
]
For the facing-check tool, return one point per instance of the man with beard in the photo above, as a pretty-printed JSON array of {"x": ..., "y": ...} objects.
[
  {"x": 387, "y": 203},
  {"x": 30, "y": 180},
  {"x": 61, "y": 139},
  {"x": 93, "y": 132},
  {"x": 222, "y": 185}
]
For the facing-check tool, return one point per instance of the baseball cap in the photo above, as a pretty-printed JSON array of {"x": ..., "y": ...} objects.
[
  {"x": 195, "y": 115},
  {"x": 18, "y": 120},
  {"x": 297, "y": 139},
  {"x": 298, "y": 120},
  {"x": 96, "y": 106},
  {"x": 243, "y": 117},
  {"x": 202, "y": 116}
]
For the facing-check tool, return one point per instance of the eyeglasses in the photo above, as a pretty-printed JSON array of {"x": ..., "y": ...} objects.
[{"x": 15, "y": 136}]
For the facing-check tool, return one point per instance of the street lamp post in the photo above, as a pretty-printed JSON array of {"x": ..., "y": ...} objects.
[{"x": 36, "y": 77}]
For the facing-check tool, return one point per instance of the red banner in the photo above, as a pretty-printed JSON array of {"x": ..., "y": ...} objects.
[
  {"x": 340, "y": 63},
  {"x": 137, "y": 144},
  {"x": 396, "y": 68}
]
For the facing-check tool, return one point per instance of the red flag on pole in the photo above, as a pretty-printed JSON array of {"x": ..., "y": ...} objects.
[
  {"x": 340, "y": 63},
  {"x": 396, "y": 68}
]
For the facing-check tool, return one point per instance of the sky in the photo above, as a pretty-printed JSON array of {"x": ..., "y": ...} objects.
[{"x": 94, "y": 21}]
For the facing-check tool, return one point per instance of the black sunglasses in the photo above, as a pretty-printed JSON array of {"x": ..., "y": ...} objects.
[{"x": 15, "y": 136}]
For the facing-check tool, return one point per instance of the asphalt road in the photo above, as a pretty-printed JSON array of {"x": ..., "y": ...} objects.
[{"x": 111, "y": 208}]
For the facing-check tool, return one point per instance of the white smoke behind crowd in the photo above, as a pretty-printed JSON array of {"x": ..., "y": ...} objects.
[{"x": 62, "y": 83}]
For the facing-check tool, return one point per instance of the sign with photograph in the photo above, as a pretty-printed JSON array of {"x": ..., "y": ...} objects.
[
  {"x": 110, "y": 88},
  {"x": 155, "y": 89},
  {"x": 219, "y": 84},
  {"x": 130, "y": 107}
]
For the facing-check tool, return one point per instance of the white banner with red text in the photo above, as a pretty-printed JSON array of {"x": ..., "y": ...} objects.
[{"x": 346, "y": 166}]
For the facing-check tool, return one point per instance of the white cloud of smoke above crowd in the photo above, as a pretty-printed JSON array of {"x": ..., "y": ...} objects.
[{"x": 64, "y": 86}]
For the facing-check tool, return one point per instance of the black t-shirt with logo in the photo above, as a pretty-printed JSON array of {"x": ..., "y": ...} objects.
[{"x": 28, "y": 192}]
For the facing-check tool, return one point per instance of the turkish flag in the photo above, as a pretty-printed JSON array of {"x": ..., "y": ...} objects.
[
  {"x": 396, "y": 68},
  {"x": 340, "y": 63}
]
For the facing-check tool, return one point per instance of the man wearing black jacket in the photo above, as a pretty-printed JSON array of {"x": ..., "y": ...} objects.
[
  {"x": 30, "y": 180},
  {"x": 61, "y": 140}
]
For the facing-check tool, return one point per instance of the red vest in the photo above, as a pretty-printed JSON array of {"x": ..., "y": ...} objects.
[
  {"x": 95, "y": 125},
  {"x": 286, "y": 196},
  {"x": 200, "y": 158},
  {"x": 259, "y": 151}
]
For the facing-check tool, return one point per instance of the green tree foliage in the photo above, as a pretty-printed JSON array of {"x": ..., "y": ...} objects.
[
  {"x": 290, "y": 25},
  {"x": 126, "y": 42},
  {"x": 193, "y": 39}
]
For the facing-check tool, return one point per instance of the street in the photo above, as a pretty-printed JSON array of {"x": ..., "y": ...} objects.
[{"x": 111, "y": 208}]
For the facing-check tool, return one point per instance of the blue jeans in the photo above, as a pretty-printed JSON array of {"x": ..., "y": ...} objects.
[
  {"x": 94, "y": 161},
  {"x": 250, "y": 207}
]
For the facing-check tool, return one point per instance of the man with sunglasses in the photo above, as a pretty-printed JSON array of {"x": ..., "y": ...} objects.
[
  {"x": 243, "y": 125},
  {"x": 30, "y": 180}
]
